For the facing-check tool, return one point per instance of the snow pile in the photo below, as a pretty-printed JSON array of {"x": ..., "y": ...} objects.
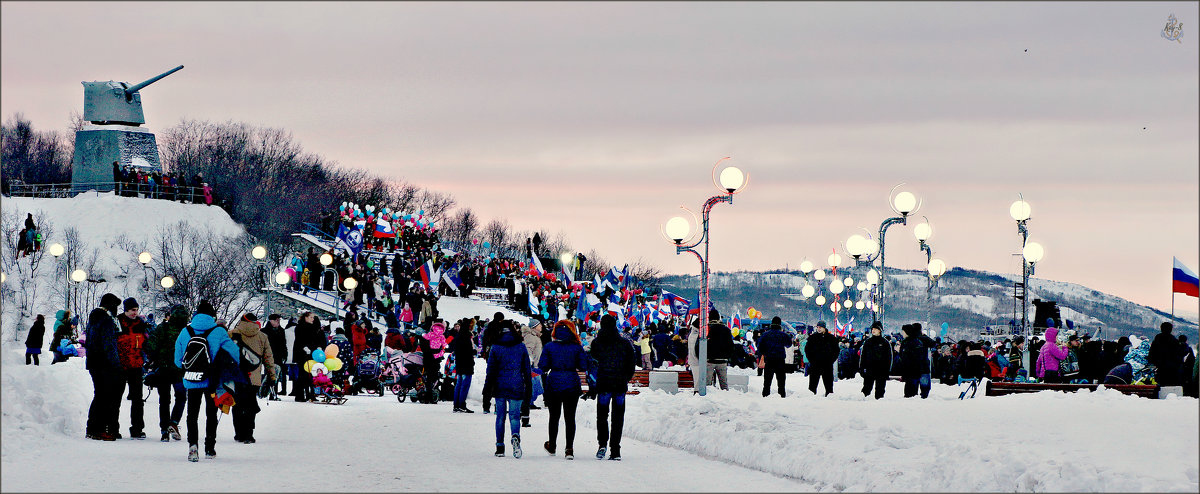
[{"x": 979, "y": 304}]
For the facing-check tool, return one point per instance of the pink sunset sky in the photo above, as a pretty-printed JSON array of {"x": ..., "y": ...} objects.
[{"x": 600, "y": 119}]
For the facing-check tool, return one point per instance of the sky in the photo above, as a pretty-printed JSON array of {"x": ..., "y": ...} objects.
[{"x": 601, "y": 119}]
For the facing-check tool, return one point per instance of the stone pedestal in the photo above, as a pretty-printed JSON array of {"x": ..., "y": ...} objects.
[{"x": 98, "y": 146}]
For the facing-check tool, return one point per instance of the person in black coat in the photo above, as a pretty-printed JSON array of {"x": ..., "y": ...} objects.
[
  {"x": 278, "y": 342},
  {"x": 914, "y": 360},
  {"x": 772, "y": 347},
  {"x": 104, "y": 365},
  {"x": 33, "y": 342},
  {"x": 876, "y": 361},
  {"x": 615, "y": 361},
  {"x": 463, "y": 349},
  {"x": 975, "y": 364},
  {"x": 821, "y": 350},
  {"x": 720, "y": 349},
  {"x": 314, "y": 267},
  {"x": 1167, "y": 356},
  {"x": 309, "y": 337}
]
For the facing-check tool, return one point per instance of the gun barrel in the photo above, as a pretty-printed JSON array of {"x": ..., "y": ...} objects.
[{"x": 152, "y": 80}]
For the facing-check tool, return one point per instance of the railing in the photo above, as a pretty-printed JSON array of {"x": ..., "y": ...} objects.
[{"x": 193, "y": 195}]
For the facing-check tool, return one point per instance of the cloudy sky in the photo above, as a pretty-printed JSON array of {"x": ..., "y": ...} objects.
[{"x": 601, "y": 119}]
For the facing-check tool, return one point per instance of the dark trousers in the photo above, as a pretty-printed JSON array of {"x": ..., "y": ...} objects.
[
  {"x": 303, "y": 387},
  {"x": 194, "y": 398},
  {"x": 137, "y": 407},
  {"x": 911, "y": 384},
  {"x": 817, "y": 372},
  {"x": 618, "y": 419},
  {"x": 246, "y": 408},
  {"x": 106, "y": 401},
  {"x": 168, "y": 415},
  {"x": 775, "y": 369},
  {"x": 1052, "y": 377},
  {"x": 564, "y": 404},
  {"x": 877, "y": 381},
  {"x": 31, "y": 357}
]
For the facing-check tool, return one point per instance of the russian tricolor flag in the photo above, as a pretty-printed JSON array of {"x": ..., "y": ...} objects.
[
  {"x": 537, "y": 263},
  {"x": 427, "y": 275},
  {"x": 1183, "y": 280},
  {"x": 383, "y": 229}
]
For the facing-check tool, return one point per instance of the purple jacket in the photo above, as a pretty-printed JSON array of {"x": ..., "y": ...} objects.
[{"x": 1051, "y": 353}]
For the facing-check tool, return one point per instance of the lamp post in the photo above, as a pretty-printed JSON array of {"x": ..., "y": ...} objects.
[
  {"x": 923, "y": 231},
  {"x": 732, "y": 181},
  {"x": 56, "y": 250},
  {"x": 327, "y": 259},
  {"x": 904, "y": 203},
  {"x": 145, "y": 259},
  {"x": 260, "y": 254},
  {"x": 1030, "y": 255},
  {"x": 1019, "y": 211},
  {"x": 936, "y": 268}
]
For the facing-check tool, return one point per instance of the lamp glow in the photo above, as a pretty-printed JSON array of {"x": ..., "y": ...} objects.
[
  {"x": 677, "y": 228},
  {"x": 856, "y": 245},
  {"x": 167, "y": 282},
  {"x": 806, "y": 266},
  {"x": 848, "y": 281},
  {"x": 79, "y": 275},
  {"x": 820, "y": 300},
  {"x": 565, "y": 258},
  {"x": 834, "y": 260},
  {"x": 282, "y": 278},
  {"x": 833, "y": 306},
  {"x": 819, "y": 274},
  {"x": 923, "y": 232},
  {"x": 350, "y": 283},
  {"x": 326, "y": 259},
  {"x": 937, "y": 267},
  {"x": 259, "y": 252},
  {"x": 732, "y": 178},
  {"x": 144, "y": 258},
  {"x": 873, "y": 277},
  {"x": 1033, "y": 252},
  {"x": 836, "y": 287},
  {"x": 861, "y": 286},
  {"x": 847, "y": 304},
  {"x": 56, "y": 249},
  {"x": 860, "y": 305},
  {"x": 807, "y": 291},
  {"x": 1019, "y": 210},
  {"x": 905, "y": 202}
]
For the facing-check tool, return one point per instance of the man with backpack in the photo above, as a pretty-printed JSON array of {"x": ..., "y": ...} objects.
[
  {"x": 771, "y": 348},
  {"x": 131, "y": 337},
  {"x": 196, "y": 352},
  {"x": 165, "y": 376},
  {"x": 256, "y": 353},
  {"x": 104, "y": 364}
]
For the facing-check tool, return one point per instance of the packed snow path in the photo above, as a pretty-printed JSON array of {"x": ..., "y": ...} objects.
[{"x": 370, "y": 444}]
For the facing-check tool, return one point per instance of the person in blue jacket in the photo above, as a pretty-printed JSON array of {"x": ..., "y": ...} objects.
[
  {"x": 772, "y": 346},
  {"x": 560, "y": 363},
  {"x": 509, "y": 376},
  {"x": 204, "y": 323}
]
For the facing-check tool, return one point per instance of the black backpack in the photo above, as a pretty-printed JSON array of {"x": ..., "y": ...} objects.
[
  {"x": 250, "y": 360},
  {"x": 196, "y": 359}
]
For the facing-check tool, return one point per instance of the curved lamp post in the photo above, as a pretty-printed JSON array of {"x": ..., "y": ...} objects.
[
  {"x": 145, "y": 259},
  {"x": 732, "y": 181},
  {"x": 56, "y": 250},
  {"x": 1020, "y": 211},
  {"x": 903, "y": 204},
  {"x": 936, "y": 268}
]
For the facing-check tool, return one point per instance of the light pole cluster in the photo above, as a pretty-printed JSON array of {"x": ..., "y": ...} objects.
[
  {"x": 349, "y": 283},
  {"x": 1031, "y": 253},
  {"x": 677, "y": 229}
]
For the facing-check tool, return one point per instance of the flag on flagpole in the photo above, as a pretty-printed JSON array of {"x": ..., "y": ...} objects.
[
  {"x": 349, "y": 240},
  {"x": 596, "y": 285},
  {"x": 678, "y": 305},
  {"x": 1183, "y": 280},
  {"x": 568, "y": 274},
  {"x": 451, "y": 276},
  {"x": 535, "y": 307},
  {"x": 537, "y": 263},
  {"x": 383, "y": 229},
  {"x": 427, "y": 275}
]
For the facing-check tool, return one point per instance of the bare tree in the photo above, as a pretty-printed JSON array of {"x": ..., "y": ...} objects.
[
  {"x": 26, "y": 269},
  {"x": 645, "y": 272},
  {"x": 207, "y": 267},
  {"x": 595, "y": 264}
]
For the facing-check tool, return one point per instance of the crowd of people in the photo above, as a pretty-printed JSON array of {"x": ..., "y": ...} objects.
[{"x": 172, "y": 186}]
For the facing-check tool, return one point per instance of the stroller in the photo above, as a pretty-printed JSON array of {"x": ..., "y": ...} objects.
[
  {"x": 367, "y": 374},
  {"x": 327, "y": 392},
  {"x": 403, "y": 374}
]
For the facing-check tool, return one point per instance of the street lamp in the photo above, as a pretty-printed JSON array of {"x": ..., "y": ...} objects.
[
  {"x": 145, "y": 259},
  {"x": 903, "y": 204},
  {"x": 56, "y": 250},
  {"x": 167, "y": 282},
  {"x": 732, "y": 181},
  {"x": 936, "y": 268},
  {"x": 1020, "y": 211}
]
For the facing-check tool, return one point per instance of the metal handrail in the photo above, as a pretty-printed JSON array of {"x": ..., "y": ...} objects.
[{"x": 20, "y": 189}]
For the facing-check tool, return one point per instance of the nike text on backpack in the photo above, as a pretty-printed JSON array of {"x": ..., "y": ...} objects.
[{"x": 196, "y": 359}]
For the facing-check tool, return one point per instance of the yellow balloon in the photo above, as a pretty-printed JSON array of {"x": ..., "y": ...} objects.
[
  {"x": 308, "y": 366},
  {"x": 750, "y": 312},
  {"x": 333, "y": 364},
  {"x": 331, "y": 351}
]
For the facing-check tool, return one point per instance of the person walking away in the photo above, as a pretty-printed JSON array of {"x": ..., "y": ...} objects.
[
  {"x": 202, "y": 339},
  {"x": 104, "y": 365},
  {"x": 914, "y": 361},
  {"x": 532, "y": 337},
  {"x": 463, "y": 348},
  {"x": 615, "y": 361},
  {"x": 509, "y": 377},
  {"x": 561, "y": 361},
  {"x": 876, "y": 361},
  {"x": 821, "y": 349},
  {"x": 35, "y": 339},
  {"x": 1167, "y": 355},
  {"x": 278, "y": 340},
  {"x": 1017, "y": 358},
  {"x": 720, "y": 348},
  {"x": 491, "y": 334},
  {"x": 131, "y": 338},
  {"x": 643, "y": 343},
  {"x": 1051, "y": 355},
  {"x": 249, "y": 336},
  {"x": 773, "y": 347},
  {"x": 160, "y": 352}
]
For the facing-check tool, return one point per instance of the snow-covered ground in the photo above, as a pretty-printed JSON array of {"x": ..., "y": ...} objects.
[{"x": 726, "y": 441}]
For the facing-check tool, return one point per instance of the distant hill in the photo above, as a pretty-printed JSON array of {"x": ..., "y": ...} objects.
[{"x": 968, "y": 300}]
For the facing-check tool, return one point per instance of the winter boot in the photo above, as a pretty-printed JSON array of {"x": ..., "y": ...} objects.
[
  {"x": 549, "y": 448},
  {"x": 525, "y": 422},
  {"x": 137, "y": 435},
  {"x": 210, "y": 452},
  {"x": 600, "y": 453},
  {"x": 516, "y": 444},
  {"x": 615, "y": 454},
  {"x": 174, "y": 430},
  {"x": 569, "y": 453},
  {"x": 193, "y": 453},
  {"x": 166, "y": 438},
  {"x": 499, "y": 449}
]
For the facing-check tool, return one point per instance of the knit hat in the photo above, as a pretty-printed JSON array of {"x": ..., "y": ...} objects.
[
  {"x": 273, "y": 317},
  {"x": 249, "y": 317},
  {"x": 877, "y": 324},
  {"x": 130, "y": 303},
  {"x": 821, "y": 324},
  {"x": 713, "y": 315},
  {"x": 110, "y": 302},
  {"x": 776, "y": 322},
  {"x": 1050, "y": 322},
  {"x": 206, "y": 307}
]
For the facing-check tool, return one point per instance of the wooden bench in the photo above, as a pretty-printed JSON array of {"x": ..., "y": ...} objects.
[
  {"x": 1003, "y": 388},
  {"x": 641, "y": 379}
]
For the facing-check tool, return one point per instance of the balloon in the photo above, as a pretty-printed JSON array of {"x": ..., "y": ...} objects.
[
  {"x": 291, "y": 272},
  {"x": 370, "y": 263},
  {"x": 474, "y": 241},
  {"x": 334, "y": 364},
  {"x": 318, "y": 368},
  {"x": 318, "y": 355},
  {"x": 421, "y": 212},
  {"x": 331, "y": 351},
  {"x": 487, "y": 245},
  {"x": 342, "y": 207},
  {"x": 750, "y": 312},
  {"x": 308, "y": 366},
  {"x": 736, "y": 332}
]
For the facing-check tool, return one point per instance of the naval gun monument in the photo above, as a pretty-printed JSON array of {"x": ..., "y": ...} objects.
[{"x": 112, "y": 133}]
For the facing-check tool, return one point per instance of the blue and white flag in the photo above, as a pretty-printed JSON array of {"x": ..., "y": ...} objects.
[
  {"x": 678, "y": 305},
  {"x": 349, "y": 241},
  {"x": 535, "y": 306},
  {"x": 597, "y": 287},
  {"x": 451, "y": 276},
  {"x": 537, "y": 264}
]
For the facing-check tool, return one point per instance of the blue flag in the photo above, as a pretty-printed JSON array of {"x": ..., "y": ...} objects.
[{"x": 349, "y": 240}]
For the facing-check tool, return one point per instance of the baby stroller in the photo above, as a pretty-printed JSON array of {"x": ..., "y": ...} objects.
[
  {"x": 367, "y": 374},
  {"x": 403, "y": 374},
  {"x": 327, "y": 392}
]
